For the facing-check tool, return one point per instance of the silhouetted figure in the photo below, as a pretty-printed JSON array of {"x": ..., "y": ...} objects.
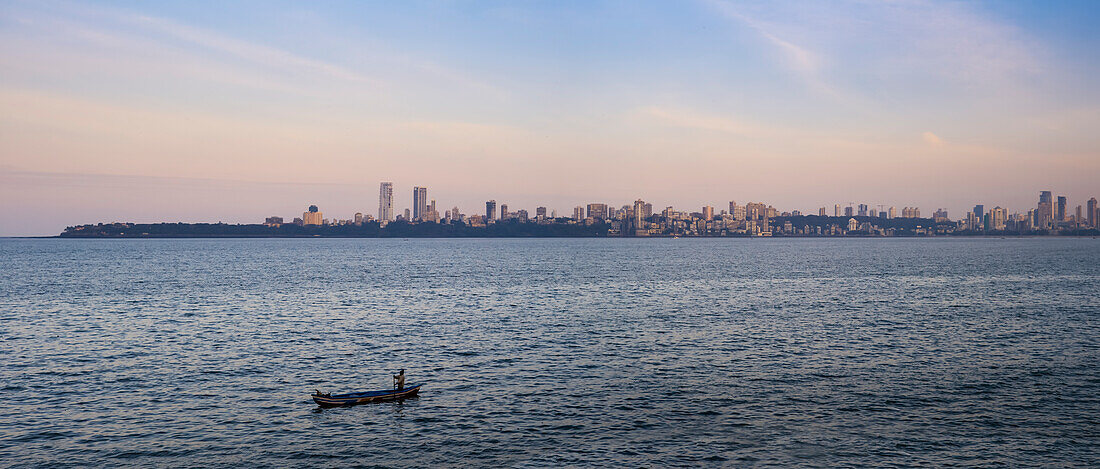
[{"x": 399, "y": 380}]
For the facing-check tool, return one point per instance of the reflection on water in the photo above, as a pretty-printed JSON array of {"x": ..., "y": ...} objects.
[{"x": 819, "y": 352}]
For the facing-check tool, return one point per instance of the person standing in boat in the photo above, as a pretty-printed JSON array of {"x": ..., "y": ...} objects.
[{"x": 399, "y": 380}]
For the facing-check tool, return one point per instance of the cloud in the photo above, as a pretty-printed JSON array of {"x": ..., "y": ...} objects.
[
  {"x": 695, "y": 120},
  {"x": 798, "y": 57},
  {"x": 932, "y": 139}
]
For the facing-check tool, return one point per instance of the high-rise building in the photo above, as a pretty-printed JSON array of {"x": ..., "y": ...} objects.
[
  {"x": 893, "y": 213},
  {"x": 504, "y": 212},
  {"x": 1060, "y": 215},
  {"x": 997, "y": 218},
  {"x": 358, "y": 219},
  {"x": 540, "y": 212},
  {"x": 1077, "y": 216},
  {"x": 1093, "y": 214},
  {"x": 979, "y": 211},
  {"x": 420, "y": 203},
  {"x": 940, "y": 215},
  {"x": 596, "y": 211},
  {"x": 312, "y": 216},
  {"x": 708, "y": 212},
  {"x": 821, "y": 212},
  {"x": 862, "y": 210},
  {"x": 385, "y": 202},
  {"x": 578, "y": 213},
  {"x": 1044, "y": 213},
  {"x": 490, "y": 211},
  {"x": 407, "y": 216},
  {"x": 756, "y": 211},
  {"x": 836, "y": 210},
  {"x": 848, "y": 212}
]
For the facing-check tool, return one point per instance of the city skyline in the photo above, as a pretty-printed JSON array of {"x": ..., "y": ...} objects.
[
  {"x": 1047, "y": 215},
  {"x": 202, "y": 111}
]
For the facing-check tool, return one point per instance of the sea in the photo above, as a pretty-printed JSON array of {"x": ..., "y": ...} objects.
[{"x": 701, "y": 352}]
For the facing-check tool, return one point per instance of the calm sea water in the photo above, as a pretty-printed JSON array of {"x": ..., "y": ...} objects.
[{"x": 536, "y": 352}]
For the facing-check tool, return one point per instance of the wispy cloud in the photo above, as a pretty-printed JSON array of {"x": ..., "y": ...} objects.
[
  {"x": 688, "y": 119},
  {"x": 798, "y": 57},
  {"x": 932, "y": 139},
  {"x": 260, "y": 54}
]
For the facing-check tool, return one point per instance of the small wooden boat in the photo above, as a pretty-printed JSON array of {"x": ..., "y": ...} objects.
[{"x": 335, "y": 400}]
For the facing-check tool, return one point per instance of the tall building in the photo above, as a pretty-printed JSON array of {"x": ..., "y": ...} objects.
[
  {"x": 893, "y": 213},
  {"x": 1077, "y": 217},
  {"x": 848, "y": 212},
  {"x": 408, "y": 216},
  {"x": 420, "y": 203},
  {"x": 1060, "y": 215},
  {"x": 1093, "y": 214},
  {"x": 504, "y": 212},
  {"x": 1044, "y": 213},
  {"x": 821, "y": 212},
  {"x": 708, "y": 212},
  {"x": 836, "y": 210},
  {"x": 863, "y": 210},
  {"x": 578, "y": 213},
  {"x": 490, "y": 210},
  {"x": 540, "y": 212},
  {"x": 596, "y": 211},
  {"x": 639, "y": 217},
  {"x": 312, "y": 216},
  {"x": 972, "y": 221},
  {"x": 385, "y": 202},
  {"x": 358, "y": 219},
  {"x": 979, "y": 211},
  {"x": 997, "y": 218}
]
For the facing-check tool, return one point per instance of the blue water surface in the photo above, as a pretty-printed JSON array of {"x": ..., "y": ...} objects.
[{"x": 552, "y": 352}]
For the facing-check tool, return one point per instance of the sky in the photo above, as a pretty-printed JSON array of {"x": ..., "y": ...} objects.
[{"x": 198, "y": 111}]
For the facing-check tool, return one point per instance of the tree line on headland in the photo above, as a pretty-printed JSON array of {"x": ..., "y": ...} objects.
[{"x": 397, "y": 229}]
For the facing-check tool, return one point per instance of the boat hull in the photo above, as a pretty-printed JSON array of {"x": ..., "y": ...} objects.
[{"x": 357, "y": 398}]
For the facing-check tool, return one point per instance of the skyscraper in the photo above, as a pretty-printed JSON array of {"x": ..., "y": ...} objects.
[
  {"x": 863, "y": 210},
  {"x": 420, "y": 203},
  {"x": 490, "y": 210},
  {"x": 979, "y": 211},
  {"x": 1044, "y": 213},
  {"x": 820, "y": 211},
  {"x": 1061, "y": 214},
  {"x": 997, "y": 218},
  {"x": 836, "y": 210},
  {"x": 385, "y": 202},
  {"x": 596, "y": 211},
  {"x": 504, "y": 212},
  {"x": 1092, "y": 209},
  {"x": 312, "y": 216},
  {"x": 540, "y": 212},
  {"x": 578, "y": 213},
  {"x": 708, "y": 212}
]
